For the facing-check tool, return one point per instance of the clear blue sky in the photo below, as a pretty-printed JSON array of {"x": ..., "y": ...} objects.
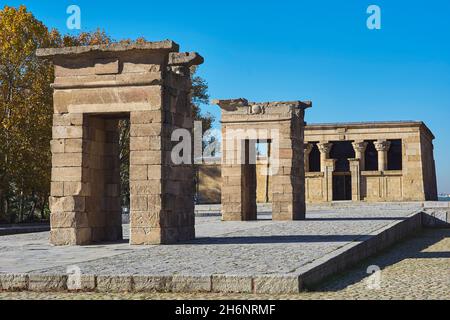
[{"x": 309, "y": 50}]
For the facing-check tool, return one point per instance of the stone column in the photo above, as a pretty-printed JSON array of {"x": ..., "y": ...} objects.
[
  {"x": 307, "y": 151},
  {"x": 70, "y": 189},
  {"x": 161, "y": 186},
  {"x": 360, "y": 149},
  {"x": 356, "y": 178},
  {"x": 324, "y": 148},
  {"x": 382, "y": 146},
  {"x": 329, "y": 166}
]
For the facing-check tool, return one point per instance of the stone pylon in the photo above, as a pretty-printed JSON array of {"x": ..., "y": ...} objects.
[
  {"x": 281, "y": 126},
  {"x": 95, "y": 87}
]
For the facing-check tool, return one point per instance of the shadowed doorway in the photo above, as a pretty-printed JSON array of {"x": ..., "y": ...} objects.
[{"x": 342, "y": 179}]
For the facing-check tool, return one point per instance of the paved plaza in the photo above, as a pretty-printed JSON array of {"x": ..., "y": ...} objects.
[
  {"x": 233, "y": 253},
  {"x": 416, "y": 268}
]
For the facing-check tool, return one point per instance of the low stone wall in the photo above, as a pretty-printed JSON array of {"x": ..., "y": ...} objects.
[
  {"x": 436, "y": 214},
  {"x": 306, "y": 277},
  {"x": 303, "y": 278},
  {"x": 23, "y": 228},
  {"x": 209, "y": 183},
  {"x": 349, "y": 255}
]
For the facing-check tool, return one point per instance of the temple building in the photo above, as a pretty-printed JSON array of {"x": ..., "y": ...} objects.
[
  {"x": 379, "y": 161},
  {"x": 365, "y": 161}
]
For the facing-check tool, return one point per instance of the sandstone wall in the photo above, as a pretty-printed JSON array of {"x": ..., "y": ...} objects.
[
  {"x": 209, "y": 183},
  {"x": 94, "y": 87}
]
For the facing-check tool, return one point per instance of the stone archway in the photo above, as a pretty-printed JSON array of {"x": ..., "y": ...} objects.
[
  {"x": 282, "y": 125},
  {"x": 94, "y": 86}
]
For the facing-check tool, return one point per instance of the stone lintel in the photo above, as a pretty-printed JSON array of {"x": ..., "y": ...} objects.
[
  {"x": 49, "y": 53},
  {"x": 370, "y": 125},
  {"x": 230, "y": 104},
  {"x": 233, "y": 104},
  {"x": 186, "y": 59}
]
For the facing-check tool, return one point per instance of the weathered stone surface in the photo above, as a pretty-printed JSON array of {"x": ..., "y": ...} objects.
[
  {"x": 185, "y": 58},
  {"x": 67, "y": 132},
  {"x": 67, "y": 174},
  {"x": 76, "y": 188},
  {"x": 107, "y": 66},
  {"x": 47, "y": 282},
  {"x": 194, "y": 283},
  {"x": 73, "y": 146},
  {"x": 67, "y": 204},
  {"x": 275, "y": 284},
  {"x": 232, "y": 283},
  {"x": 13, "y": 282},
  {"x": 415, "y": 180},
  {"x": 94, "y": 87},
  {"x": 247, "y": 251},
  {"x": 70, "y": 235},
  {"x": 57, "y": 146},
  {"x": 114, "y": 283},
  {"x": 407, "y": 273},
  {"x": 436, "y": 218},
  {"x": 57, "y": 189},
  {"x": 83, "y": 282},
  {"x": 243, "y": 124},
  {"x": 156, "y": 283},
  {"x": 114, "y": 47}
]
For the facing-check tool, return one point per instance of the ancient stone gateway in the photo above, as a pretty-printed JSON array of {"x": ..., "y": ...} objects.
[
  {"x": 95, "y": 86},
  {"x": 281, "y": 126}
]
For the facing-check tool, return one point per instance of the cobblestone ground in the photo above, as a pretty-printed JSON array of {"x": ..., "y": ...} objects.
[
  {"x": 418, "y": 268},
  {"x": 234, "y": 247}
]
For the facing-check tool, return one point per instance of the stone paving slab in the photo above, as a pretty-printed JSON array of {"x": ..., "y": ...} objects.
[
  {"x": 258, "y": 256},
  {"x": 414, "y": 269}
]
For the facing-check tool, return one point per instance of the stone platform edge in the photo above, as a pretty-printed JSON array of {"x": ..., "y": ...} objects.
[
  {"x": 21, "y": 229},
  {"x": 350, "y": 254},
  {"x": 303, "y": 278}
]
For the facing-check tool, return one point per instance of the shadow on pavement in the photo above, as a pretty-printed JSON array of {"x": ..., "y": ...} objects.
[{"x": 276, "y": 239}]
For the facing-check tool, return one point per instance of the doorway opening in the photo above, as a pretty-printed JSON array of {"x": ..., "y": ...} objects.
[
  {"x": 371, "y": 157},
  {"x": 342, "y": 179},
  {"x": 314, "y": 159},
  {"x": 123, "y": 128},
  {"x": 256, "y": 180},
  {"x": 342, "y": 186},
  {"x": 103, "y": 165},
  {"x": 395, "y": 155}
]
